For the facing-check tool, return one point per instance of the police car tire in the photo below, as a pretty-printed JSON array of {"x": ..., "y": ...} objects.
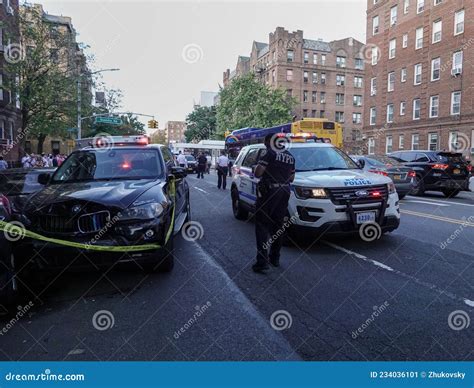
[
  {"x": 420, "y": 189},
  {"x": 239, "y": 212},
  {"x": 451, "y": 193}
]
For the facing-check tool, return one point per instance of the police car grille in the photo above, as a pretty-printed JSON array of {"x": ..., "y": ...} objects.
[{"x": 348, "y": 194}]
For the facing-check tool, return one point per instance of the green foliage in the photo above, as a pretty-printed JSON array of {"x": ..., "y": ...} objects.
[
  {"x": 201, "y": 124},
  {"x": 130, "y": 126},
  {"x": 246, "y": 102}
]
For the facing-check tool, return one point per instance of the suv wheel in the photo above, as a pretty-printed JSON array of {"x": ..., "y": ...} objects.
[
  {"x": 451, "y": 193},
  {"x": 239, "y": 212},
  {"x": 419, "y": 188}
]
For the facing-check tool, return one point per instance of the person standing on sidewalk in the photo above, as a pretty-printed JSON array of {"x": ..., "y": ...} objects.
[{"x": 222, "y": 170}]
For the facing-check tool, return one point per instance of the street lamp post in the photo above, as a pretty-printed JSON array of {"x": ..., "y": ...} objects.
[{"x": 79, "y": 99}]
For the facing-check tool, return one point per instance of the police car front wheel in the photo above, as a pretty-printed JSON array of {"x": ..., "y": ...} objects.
[{"x": 239, "y": 212}]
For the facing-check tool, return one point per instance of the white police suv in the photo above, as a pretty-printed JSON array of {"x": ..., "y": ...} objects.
[{"x": 331, "y": 194}]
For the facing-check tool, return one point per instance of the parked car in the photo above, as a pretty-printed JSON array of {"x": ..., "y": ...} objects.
[
  {"x": 192, "y": 163},
  {"x": 442, "y": 171},
  {"x": 402, "y": 176}
]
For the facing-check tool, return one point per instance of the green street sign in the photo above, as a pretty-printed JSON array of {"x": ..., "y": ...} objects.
[{"x": 108, "y": 120}]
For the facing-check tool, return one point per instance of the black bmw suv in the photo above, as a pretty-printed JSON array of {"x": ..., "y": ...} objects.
[
  {"x": 447, "y": 172},
  {"x": 120, "y": 196}
]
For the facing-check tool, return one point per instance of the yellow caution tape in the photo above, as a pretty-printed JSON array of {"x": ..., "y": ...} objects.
[{"x": 18, "y": 231}]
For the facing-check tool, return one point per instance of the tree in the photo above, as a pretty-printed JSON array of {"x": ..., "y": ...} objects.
[
  {"x": 159, "y": 137},
  {"x": 43, "y": 77},
  {"x": 246, "y": 102},
  {"x": 201, "y": 124}
]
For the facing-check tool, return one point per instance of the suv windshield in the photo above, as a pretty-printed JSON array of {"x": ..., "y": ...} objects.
[
  {"x": 109, "y": 165},
  {"x": 321, "y": 158}
]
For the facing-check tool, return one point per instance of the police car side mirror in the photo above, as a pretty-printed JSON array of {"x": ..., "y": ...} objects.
[
  {"x": 43, "y": 179},
  {"x": 178, "y": 172},
  {"x": 361, "y": 163}
]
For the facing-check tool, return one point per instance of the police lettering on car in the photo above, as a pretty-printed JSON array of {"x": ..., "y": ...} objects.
[{"x": 276, "y": 168}]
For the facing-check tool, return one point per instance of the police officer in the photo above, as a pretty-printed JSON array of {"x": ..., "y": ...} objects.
[{"x": 276, "y": 168}]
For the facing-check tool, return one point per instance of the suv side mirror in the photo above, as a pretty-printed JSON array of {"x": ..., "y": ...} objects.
[
  {"x": 361, "y": 163},
  {"x": 43, "y": 179},
  {"x": 178, "y": 172}
]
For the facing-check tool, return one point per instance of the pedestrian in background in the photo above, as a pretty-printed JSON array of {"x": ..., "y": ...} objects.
[
  {"x": 201, "y": 167},
  {"x": 182, "y": 161},
  {"x": 3, "y": 164},
  {"x": 222, "y": 170},
  {"x": 209, "y": 162}
]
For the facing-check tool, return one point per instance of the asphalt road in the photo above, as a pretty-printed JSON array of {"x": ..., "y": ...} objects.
[{"x": 407, "y": 296}]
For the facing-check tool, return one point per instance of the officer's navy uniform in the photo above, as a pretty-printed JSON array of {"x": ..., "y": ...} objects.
[{"x": 272, "y": 203}]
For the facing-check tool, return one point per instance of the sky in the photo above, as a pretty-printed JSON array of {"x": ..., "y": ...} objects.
[{"x": 170, "y": 51}]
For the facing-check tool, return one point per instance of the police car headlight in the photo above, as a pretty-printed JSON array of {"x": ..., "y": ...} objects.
[
  {"x": 143, "y": 212},
  {"x": 306, "y": 192},
  {"x": 391, "y": 188}
]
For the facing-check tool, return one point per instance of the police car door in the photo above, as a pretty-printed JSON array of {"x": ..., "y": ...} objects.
[{"x": 248, "y": 182}]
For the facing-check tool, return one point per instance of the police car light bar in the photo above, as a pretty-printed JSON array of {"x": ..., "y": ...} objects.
[{"x": 120, "y": 141}]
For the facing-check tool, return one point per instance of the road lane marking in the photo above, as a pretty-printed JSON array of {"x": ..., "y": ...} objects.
[
  {"x": 442, "y": 202},
  {"x": 199, "y": 189},
  {"x": 438, "y": 218},
  {"x": 414, "y": 279},
  {"x": 425, "y": 202}
]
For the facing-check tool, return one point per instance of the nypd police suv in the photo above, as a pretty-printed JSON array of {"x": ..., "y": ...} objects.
[{"x": 331, "y": 193}]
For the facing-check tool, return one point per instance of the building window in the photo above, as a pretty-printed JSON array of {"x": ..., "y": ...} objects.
[
  {"x": 340, "y": 80},
  {"x": 2, "y": 129},
  {"x": 289, "y": 75},
  {"x": 434, "y": 106},
  {"x": 375, "y": 25},
  {"x": 322, "y": 114},
  {"x": 392, "y": 49},
  {"x": 340, "y": 117},
  {"x": 315, "y": 59},
  {"x": 388, "y": 144},
  {"x": 433, "y": 141},
  {"x": 457, "y": 62},
  {"x": 356, "y": 118},
  {"x": 358, "y": 82},
  {"x": 340, "y": 62},
  {"x": 323, "y": 78},
  {"x": 393, "y": 15},
  {"x": 418, "y": 74},
  {"x": 403, "y": 75},
  {"x": 406, "y": 4},
  {"x": 305, "y": 112},
  {"x": 391, "y": 81},
  {"x": 416, "y": 109},
  {"x": 403, "y": 108},
  {"x": 322, "y": 97},
  {"x": 10, "y": 132},
  {"x": 375, "y": 55},
  {"x": 456, "y": 103},
  {"x": 420, "y": 6},
  {"x": 373, "y": 115},
  {"x": 415, "y": 142},
  {"x": 340, "y": 98},
  {"x": 357, "y": 100},
  {"x": 437, "y": 31},
  {"x": 401, "y": 142},
  {"x": 436, "y": 69},
  {"x": 55, "y": 147},
  {"x": 371, "y": 146},
  {"x": 323, "y": 59},
  {"x": 390, "y": 113},
  {"x": 419, "y": 38},
  {"x": 459, "y": 22},
  {"x": 314, "y": 96},
  {"x": 437, "y": 2},
  {"x": 290, "y": 55},
  {"x": 373, "y": 86},
  {"x": 315, "y": 77},
  {"x": 306, "y": 57},
  {"x": 405, "y": 41},
  {"x": 313, "y": 113},
  {"x": 359, "y": 64},
  {"x": 305, "y": 96},
  {"x": 305, "y": 77}
]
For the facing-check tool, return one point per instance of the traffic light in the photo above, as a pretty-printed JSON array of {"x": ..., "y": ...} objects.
[{"x": 153, "y": 124}]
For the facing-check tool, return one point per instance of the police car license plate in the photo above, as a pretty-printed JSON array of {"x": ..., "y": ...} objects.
[{"x": 362, "y": 218}]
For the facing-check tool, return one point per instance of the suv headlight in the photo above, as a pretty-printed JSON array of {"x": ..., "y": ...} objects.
[
  {"x": 143, "y": 212},
  {"x": 307, "y": 192},
  {"x": 391, "y": 188}
]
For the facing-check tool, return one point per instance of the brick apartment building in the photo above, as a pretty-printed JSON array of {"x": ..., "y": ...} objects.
[
  {"x": 175, "y": 131},
  {"x": 419, "y": 75},
  {"x": 10, "y": 114},
  {"x": 326, "y": 78}
]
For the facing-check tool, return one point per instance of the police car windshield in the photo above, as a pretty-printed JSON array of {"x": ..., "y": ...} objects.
[
  {"x": 116, "y": 164},
  {"x": 321, "y": 158}
]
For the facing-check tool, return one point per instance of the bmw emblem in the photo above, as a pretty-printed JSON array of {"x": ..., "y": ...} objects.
[
  {"x": 76, "y": 209},
  {"x": 362, "y": 193}
]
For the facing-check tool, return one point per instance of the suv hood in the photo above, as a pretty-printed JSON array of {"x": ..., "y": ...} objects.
[
  {"x": 118, "y": 194},
  {"x": 339, "y": 178}
]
